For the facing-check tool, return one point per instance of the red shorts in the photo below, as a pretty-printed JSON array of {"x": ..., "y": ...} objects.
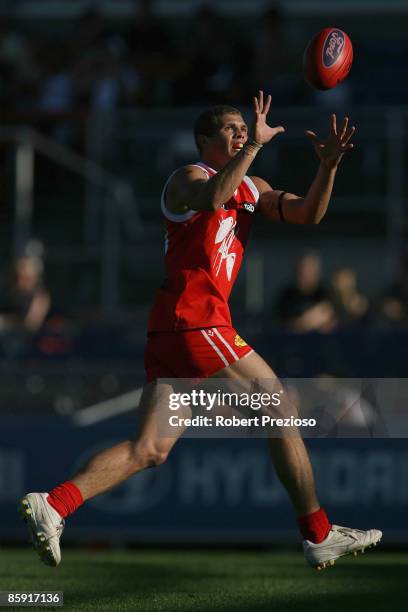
[{"x": 197, "y": 353}]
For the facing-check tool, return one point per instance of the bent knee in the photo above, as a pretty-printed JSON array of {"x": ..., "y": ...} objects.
[
  {"x": 157, "y": 457},
  {"x": 150, "y": 454}
]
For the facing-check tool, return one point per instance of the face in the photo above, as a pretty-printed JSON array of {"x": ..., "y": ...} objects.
[
  {"x": 27, "y": 275},
  {"x": 344, "y": 279},
  {"x": 308, "y": 272},
  {"x": 228, "y": 140}
]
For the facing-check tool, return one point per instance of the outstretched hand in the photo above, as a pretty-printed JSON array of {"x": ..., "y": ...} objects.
[
  {"x": 260, "y": 130},
  {"x": 331, "y": 151}
]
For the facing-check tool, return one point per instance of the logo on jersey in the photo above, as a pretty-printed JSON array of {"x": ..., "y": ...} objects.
[
  {"x": 238, "y": 341},
  {"x": 225, "y": 235},
  {"x": 249, "y": 207}
]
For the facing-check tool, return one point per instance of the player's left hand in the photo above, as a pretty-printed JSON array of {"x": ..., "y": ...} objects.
[{"x": 331, "y": 151}]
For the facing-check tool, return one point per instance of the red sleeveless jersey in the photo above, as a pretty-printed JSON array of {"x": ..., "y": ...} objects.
[{"x": 203, "y": 254}]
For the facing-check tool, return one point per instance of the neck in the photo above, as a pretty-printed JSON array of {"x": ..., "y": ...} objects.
[{"x": 213, "y": 162}]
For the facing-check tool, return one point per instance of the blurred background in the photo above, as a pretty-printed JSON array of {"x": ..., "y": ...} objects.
[{"x": 97, "y": 102}]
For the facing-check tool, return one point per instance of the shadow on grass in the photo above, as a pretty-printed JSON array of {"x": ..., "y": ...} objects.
[{"x": 171, "y": 584}]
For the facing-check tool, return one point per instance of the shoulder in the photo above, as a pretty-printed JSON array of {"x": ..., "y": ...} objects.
[
  {"x": 181, "y": 188},
  {"x": 190, "y": 172}
]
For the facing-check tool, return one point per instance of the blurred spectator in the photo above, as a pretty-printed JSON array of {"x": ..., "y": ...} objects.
[
  {"x": 304, "y": 305},
  {"x": 275, "y": 69},
  {"x": 208, "y": 53},
  {"x": 56, "y": 90},
  {"x": 91, "y": 33},
  {"x": 104, "y": 77},
  {"x": 394, "y": 302},
  {"x": 27, "y": 303},
  {"x": 349, "y": 303},
  {"x": 152, "y": 55},
  {"x": 105, "y": 80},
  {"x": 15, "y": 51},
  {"x": 19, "y": 69}
]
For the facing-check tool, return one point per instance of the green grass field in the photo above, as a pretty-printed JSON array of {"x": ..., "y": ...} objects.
[{"x": 192, "y": 581}]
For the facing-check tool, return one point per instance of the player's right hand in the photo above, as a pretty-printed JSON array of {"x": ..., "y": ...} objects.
[{"x": 260, "y": 130}]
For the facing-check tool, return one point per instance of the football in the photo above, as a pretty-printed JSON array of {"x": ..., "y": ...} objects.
[{"x": 327, "y": 59}]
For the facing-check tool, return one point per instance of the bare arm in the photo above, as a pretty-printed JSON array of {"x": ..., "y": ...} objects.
[
  {"x": 38, "y": 311},
  {"x": 312, "y": 207},
  {"x": 277, "y": 205},
  {"x": 191, "y": 189}
]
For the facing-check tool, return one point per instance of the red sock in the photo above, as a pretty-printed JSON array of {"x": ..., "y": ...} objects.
[
  {"x": 314, "y": 527},
  {"x": 65, "y": 499}
]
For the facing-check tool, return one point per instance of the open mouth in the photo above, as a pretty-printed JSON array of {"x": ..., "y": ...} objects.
[{"x": 237, "y": 146}]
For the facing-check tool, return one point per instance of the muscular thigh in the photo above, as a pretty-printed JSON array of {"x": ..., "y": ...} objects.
[
  {"x": 250, "y": 366},
  {"x": 252, "y": 374}
]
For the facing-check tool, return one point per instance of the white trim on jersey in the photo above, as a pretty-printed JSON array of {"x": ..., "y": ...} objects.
[
  {"x": 205, "y": 168},
  {"x": 231, "y": 350},
  {"x": 250, "y": 183},
  {"x": 175, "y": 217},
  {"x": 215, "y": 347}
]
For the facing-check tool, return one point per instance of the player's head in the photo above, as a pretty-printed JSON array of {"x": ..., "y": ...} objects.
[{"x": 220, "y": 130}]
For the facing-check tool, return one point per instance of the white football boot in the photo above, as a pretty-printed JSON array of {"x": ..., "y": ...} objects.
[
  {"x": 45, "y": 526},
  {"x": 340, "y": 541}
]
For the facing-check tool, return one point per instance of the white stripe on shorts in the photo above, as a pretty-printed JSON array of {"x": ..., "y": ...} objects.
[
  {"x": 231, "y": 350},
  {"x": 215, "y": 347}
]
